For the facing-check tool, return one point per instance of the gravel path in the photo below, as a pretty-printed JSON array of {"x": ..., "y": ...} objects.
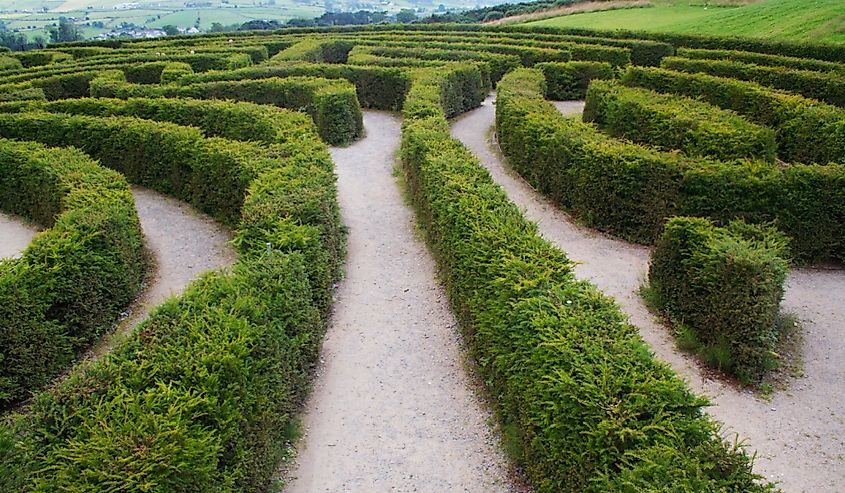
[
  {"x": 799, "y": 435},
  {"x": 185, "y": 244},
  {"x": 392, "y": 408},
  {"x": 15, "y": 235}
]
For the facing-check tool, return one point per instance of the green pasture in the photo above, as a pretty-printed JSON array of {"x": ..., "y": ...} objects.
[{"x": 794, "y": 20}]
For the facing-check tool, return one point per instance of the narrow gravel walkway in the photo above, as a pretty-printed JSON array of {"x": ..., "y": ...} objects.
[
  {"x": 185, "y": 244},
  {"x": 15, "y": 235},
  {"x": 392, "y": 408},
  {"x": 799, "y": 435}
]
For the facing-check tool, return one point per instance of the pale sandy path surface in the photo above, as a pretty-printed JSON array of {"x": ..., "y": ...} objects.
[
  {"x": 15, "y": 235},
  {"x": 392, "y": 408},
  {"x": 799, "y": 435},
  {"x": 185, "y": 243}
]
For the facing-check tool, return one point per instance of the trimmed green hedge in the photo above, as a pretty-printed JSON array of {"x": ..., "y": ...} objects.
[
  {"x": 201, "y": 395},
  {"x": 569, "y": 80},
  {"x": 826, "y": 87},
  {"x": 676, "y": 122},
  {"x": 230, "y": 120},
  {"x": 71, "y": 284},
  {"x": 807, "y": 131},
  {"x": 316, "y": 51},
  {"x": 573, "y": 382},
  {"x": 630, "y": 190},
  {"x": 820, "y": 51},
  {"x": 764, "y": 59},
  {"x": 174, "y": 71},
  {"x": 499, "y": 64},
  {"x": 724, "y": 284},
  {"x": 378, "y": 88},
  {"x": 333, "y": 104}
]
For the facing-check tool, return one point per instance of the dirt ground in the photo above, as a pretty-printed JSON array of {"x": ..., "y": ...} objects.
[
  {"x": 392, "y": 408},
  {"x": 798, "y": 435},
  {"x": 185, "y": 244},
  {"x": 15, "y": 235}
]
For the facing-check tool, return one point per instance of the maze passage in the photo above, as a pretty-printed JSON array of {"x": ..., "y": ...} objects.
[{"x": 204, "y": 395}]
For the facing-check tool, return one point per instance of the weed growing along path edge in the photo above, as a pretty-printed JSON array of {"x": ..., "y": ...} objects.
[
  {"x": 798, "y": 434},
  {"x": 392, "y": 408}
]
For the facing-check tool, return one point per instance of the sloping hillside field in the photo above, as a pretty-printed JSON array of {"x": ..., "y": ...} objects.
[{"x": 712, "y": 169}]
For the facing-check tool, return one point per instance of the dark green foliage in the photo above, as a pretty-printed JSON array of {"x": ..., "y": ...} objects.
[
  {"x": 570, "y": 80},
  {"x": 826, "y": 87},
  {"x": 231, "y": 120},
  {"x": 333, "y": 104},
  {"x": 201, "y": 395},
  {"x": 173, "y": 71},
  {"x": 196, "y": 401},
  {"x": 144, "y": 73},
  {"x": 499, "y": 64},
  {"x": 676, "y": 122},
  {"x": 316, "y": 51},
  {"x": 630, "y": 190},
  {"x": 807, "y": 131},
  {"x": 726, "y": 285},
  {"x": 567, "y": 373},
  {"x": 378, "y": 88},
  {"x": 819, "y": 51},
  {"x": 73, "y": 281},
  {"x": 764, "y": 59}
]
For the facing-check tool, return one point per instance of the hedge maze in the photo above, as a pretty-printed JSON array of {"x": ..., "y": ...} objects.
[{"x": 201, "y": 395}]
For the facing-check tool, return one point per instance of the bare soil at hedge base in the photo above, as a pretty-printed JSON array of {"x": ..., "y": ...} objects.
[
  {"x": 15, "y": 235},
  {"x": 393, "y": 408},
  {"x": 799, "y": 435},
  {"x": 185, "y": 244}
]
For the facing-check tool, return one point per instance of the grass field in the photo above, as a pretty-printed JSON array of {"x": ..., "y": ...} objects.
[{"x": 810, "y": 20}]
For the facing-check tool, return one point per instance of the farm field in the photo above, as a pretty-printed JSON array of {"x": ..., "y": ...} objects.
[
  {"x": 423, "y": 257},
  {"x": 793, "y": 20}
]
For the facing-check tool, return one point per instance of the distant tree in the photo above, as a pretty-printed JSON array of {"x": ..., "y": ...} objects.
[
  {"x": 2, "y": 26},
  {"x": 493, "y": 16},
  {"x": 216, "y": 27},
  {"x": 405, "y": 16},
  {"x": 441, "y": 8},
  {"x": 65, "y": 31},
  {"x": 170, "y": 30}
]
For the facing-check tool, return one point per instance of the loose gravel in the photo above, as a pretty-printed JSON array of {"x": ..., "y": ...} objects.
[
  {"x": 799, "y": 434},
  {"x": 393, "y": 407}
]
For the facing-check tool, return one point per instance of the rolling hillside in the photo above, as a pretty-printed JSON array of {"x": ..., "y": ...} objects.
[{"x": 795, "y": 20}]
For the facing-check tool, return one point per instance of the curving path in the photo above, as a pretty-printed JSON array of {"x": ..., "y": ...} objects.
[
  {"x": 392, "y": 408},
  {"x": 15, "y": 235},
  {"x": 184, "y": 244},
  {"x": 799, "y": 435}
]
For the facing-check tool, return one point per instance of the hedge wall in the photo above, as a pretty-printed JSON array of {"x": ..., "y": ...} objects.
[
  {"x": 764, "y": 59},
  {"x": 554, "y": 350},
  {"x": 820, "y": 51},
  {"x": 807, "y": 131},
  {"x": 230, "y": 120},
  {"x": 378, "y": 88},
  {"x": 173, "y": 72},
  {"x": 630, "y": 190},
  {"x": 499, "y": 64},
  {"x": 676, "y": 122},
  {"x": 569, "y": 80},
  {"x": 332, "y": 104},
  {"x": 826, "y": 87},
  {"x": 726, "y": 285},
  {"x": 200, "y": 396},
  {"x": 74, "y": 280},
  {"x": 316, "y": 51}
]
